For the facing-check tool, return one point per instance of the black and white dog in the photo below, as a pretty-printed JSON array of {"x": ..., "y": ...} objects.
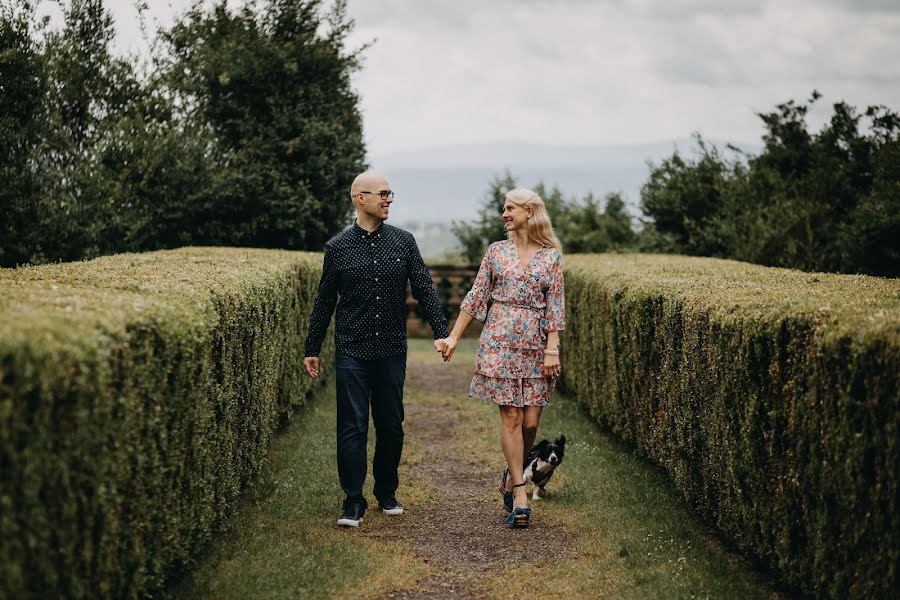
[{"x": 543, "y": 459}]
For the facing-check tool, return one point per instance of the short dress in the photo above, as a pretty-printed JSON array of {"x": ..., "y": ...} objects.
[{"x": 524, "y": 305}]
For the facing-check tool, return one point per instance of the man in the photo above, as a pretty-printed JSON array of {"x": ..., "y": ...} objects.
[{"x": 368, "y": 265}]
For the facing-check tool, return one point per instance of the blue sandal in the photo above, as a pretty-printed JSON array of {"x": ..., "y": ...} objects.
[{"x": 519, "y": 517}]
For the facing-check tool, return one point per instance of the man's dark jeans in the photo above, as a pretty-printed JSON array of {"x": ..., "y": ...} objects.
[{"x": 359, "y": 381}]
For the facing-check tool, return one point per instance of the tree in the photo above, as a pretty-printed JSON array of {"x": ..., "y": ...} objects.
[
  {"x": 685, "y": 197},
  {"x": 585, "y": 226},
  {"x": 271, "y": 82},
  {"x": 475, "y": 236},
  {"x": 823, "y": 201},
  {"x": 65, "y": 93},
  {"x": 247, "y": 132},
  {"x": 582, "y": 226},
  {"x": 22, "y": 87}
]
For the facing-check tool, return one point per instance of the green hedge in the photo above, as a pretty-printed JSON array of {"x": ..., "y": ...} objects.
[
  {"x": 770, "y": 396},
  {"x": 138, "y": 396}
]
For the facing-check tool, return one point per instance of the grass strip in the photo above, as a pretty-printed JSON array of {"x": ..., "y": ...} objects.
[
  {"x": 634, "y": 535},
  {"x": 284, "y": 542}
]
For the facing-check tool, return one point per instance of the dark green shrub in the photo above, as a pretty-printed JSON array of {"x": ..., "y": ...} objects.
[
  {"x": 583, "y": 225},
  {"x": 770, "y": 396},
  {"x": 244, "y": 130},
  {"x": 817, "y": 201},
  {"x": 138, "y": 396}
]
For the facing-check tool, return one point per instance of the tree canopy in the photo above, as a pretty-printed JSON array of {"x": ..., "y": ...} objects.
[
  {"x": 581, "y": 225},
  {"x": 244, "y": 130},
  {"x": 817, "y": 201}
]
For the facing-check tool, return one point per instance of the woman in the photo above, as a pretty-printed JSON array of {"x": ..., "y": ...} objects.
[{"x": 518, "y": 358}]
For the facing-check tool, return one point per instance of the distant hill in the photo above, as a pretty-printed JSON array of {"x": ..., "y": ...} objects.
[
  {"x": 441, "y": 184},
  {"x": 535, "y": 156}
]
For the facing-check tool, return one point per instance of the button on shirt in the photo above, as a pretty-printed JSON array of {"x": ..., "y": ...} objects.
[{"x": 365, "y": 273}]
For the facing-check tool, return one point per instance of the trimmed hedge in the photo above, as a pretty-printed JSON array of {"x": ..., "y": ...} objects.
[
  {"x": 770, "y": 396},
  {"x": 138, "y": 396}
]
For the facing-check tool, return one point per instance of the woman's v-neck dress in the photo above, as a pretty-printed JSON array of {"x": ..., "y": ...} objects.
[{"x": 519, "y": 306}]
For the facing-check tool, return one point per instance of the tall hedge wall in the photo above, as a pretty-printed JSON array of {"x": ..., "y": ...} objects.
[
  {"x": 770, "y": 396},
  {"x": 138, "y": 394}
]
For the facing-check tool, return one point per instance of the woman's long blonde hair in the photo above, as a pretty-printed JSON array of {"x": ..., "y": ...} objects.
[{"x": 539, "y": 227}]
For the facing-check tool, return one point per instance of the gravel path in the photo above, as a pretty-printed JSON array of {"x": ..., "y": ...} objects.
[{"x": 461, "y": 530}]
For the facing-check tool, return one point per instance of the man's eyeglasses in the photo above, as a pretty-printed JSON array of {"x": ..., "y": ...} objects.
[{"x": 385, "y": 194}]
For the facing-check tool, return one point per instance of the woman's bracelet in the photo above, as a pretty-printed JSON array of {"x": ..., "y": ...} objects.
[{"x": 551, "y": 352}]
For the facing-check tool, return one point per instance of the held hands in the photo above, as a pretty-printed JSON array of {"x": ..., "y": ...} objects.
[
  {"x": 446, "y": 347},
  {"x": 311, "y": 364}
]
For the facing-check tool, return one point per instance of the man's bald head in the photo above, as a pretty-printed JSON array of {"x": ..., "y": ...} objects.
[
  {"x": 366, "y": 191},
  {"x": 369, "y": 181}
]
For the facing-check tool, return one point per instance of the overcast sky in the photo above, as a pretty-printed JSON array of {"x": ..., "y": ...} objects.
[{"x": 602, "y": 72}]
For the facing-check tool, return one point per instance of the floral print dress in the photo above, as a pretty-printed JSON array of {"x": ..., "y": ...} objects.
[{"x": 524, "y": 305}]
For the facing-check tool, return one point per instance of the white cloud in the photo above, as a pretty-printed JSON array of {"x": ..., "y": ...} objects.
[
  {"x": 613, "y": 72},
  {"x": 599, "y": 72}
]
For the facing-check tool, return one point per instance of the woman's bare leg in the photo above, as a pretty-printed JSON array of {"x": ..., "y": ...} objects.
[
  {"x": 511, "y": 442},
  {"x": 530, "y": 421},
  {"x": 531, "y": 417}
]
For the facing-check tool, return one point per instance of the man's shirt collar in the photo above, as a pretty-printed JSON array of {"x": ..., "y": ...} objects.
[{"x": 362, "y": 233}]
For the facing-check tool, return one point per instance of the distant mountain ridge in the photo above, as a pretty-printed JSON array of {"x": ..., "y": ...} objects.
[
  {"x": 533, "y": 156},
  {"x": 437, "y": 185}
]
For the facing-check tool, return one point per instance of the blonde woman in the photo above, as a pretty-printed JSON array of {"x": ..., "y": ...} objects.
[{"x": 518, "y": 293}]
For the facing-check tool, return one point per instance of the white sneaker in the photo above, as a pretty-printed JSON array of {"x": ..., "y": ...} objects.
[
  {"x": 390, "y": 506},
  {"x": 353, "y": 515}
]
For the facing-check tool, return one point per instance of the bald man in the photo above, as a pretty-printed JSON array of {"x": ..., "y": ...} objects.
[{"x": 365, "y": 271}]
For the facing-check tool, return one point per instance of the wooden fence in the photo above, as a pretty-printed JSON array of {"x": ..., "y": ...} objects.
[{"x": 451, "y": 282}]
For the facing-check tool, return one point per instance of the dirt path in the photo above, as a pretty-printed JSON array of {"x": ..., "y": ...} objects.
[
  {"x": 461, "y": 529},
  {"x": 612, "y": 526}
]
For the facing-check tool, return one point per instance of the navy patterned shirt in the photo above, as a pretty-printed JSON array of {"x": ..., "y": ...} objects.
[{"x": 369, "y": 271}]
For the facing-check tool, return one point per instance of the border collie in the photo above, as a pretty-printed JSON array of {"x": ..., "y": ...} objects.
[{"x": 543, "y": 459}]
